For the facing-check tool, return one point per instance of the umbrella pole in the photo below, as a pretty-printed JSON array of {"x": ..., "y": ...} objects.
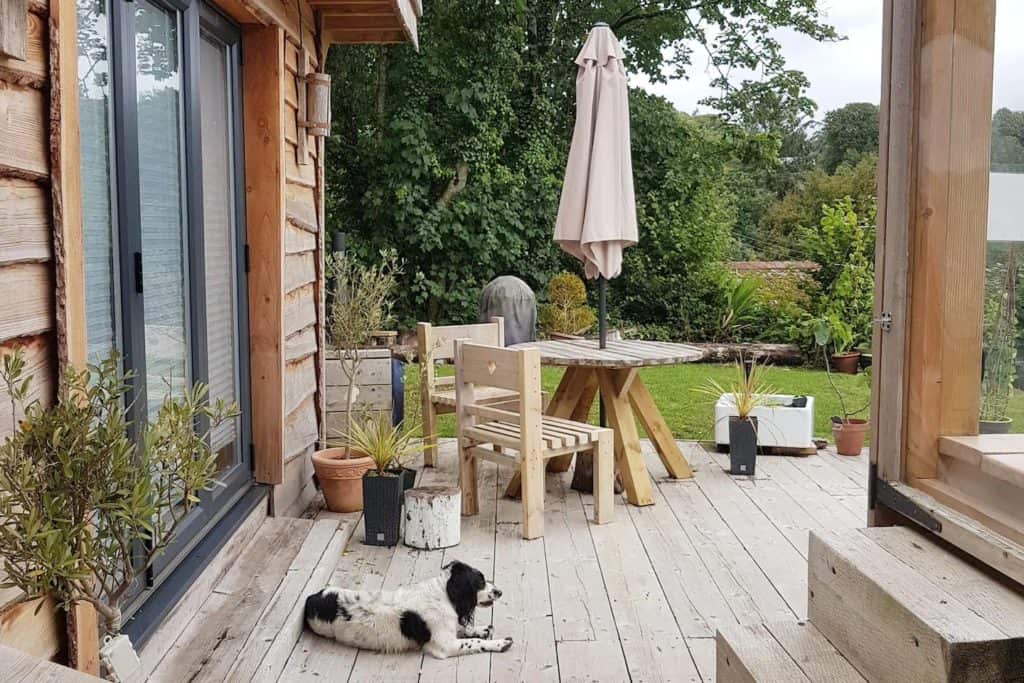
[{"x": 602, "y": 332}]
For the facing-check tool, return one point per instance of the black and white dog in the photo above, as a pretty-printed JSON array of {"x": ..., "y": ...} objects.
[{"x": 436, "y": 615}]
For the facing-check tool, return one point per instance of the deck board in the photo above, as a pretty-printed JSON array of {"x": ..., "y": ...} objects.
[{"x": 638, "y": 599}]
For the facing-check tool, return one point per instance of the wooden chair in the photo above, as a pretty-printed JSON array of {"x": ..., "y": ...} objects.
[
  {"x": 485, "y": 430},
  {"x": 437, "y": 394}
]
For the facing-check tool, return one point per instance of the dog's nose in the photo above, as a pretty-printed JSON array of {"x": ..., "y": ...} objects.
[{"x": 497, "y": 593}]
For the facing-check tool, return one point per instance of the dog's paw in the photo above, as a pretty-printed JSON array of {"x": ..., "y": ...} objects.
[
  {"x": 488, "y": 632},
  {"x": 506, "y": 643}
]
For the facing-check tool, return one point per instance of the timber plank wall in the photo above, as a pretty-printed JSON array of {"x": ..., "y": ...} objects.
[{"x": 27, "y": 267}]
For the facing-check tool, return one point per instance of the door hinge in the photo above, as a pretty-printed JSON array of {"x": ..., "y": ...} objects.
[
  {"x": 892, "y": 498},
  {"x": 138, "y": 272},
  {"x": 884, "y": 321},
  {"x": 246, "y": 256}
]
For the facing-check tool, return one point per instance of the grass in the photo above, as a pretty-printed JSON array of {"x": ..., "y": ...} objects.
[{"x": 690, "y": 415}]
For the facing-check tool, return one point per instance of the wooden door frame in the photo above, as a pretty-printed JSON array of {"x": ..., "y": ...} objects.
[{"x": 934, "y": 150}]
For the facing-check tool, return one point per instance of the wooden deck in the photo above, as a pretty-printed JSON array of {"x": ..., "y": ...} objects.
[{"x": 638, "y": 599}]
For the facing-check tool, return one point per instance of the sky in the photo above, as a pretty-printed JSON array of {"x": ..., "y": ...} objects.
[{"x": 850, "y": 70}]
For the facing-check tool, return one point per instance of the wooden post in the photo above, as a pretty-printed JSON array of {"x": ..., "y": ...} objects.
[{"x": 263, "y": 98}]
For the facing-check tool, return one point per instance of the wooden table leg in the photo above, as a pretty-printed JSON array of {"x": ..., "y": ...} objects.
[
  {"x": 659, "y": 433},
  {"x": 572, "y": 400},
  {"x": 628, "y": 458}
]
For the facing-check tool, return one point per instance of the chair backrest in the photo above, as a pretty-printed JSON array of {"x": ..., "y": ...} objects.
[
  {"x": 477, "y": 365},
  {"x": 436, "y": 342}
]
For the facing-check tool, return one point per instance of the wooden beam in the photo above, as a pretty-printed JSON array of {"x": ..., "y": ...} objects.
[
  {"x": 354, "y": 22},
  {"x": 66, "y": 186},
  {"x": 897, "y": 119},
  {"x": 364, "y": 36},
  {"x": 13, "y": 28},
  {"x": 262, "y": 104},
  {"x": 951, "y": 149}
]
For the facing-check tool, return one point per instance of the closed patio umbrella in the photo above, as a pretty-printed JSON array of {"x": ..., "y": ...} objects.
[{"x": 597, "y": 210}]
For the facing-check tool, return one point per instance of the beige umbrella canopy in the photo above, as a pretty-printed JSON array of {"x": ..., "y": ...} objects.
[{"x": 597, "y": 211}]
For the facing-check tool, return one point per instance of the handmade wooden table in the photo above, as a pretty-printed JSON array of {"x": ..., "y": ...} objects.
[{"x": 612, "y": 371}]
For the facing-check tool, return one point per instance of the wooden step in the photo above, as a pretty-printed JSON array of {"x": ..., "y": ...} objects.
[
  {"x": 900, "y": 607},
  {"x": 790, "y": 651}
]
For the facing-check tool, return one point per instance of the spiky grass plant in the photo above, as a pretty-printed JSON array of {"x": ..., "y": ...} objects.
[{"x": 749, "y": 389}]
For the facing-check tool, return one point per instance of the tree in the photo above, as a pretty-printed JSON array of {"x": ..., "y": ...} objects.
[
  {"x": 1008, "y": 141},
  {"x": 848, "y": 134},
  {"x": 802, "y": 208},
  {"x": 454, "y": 155}
]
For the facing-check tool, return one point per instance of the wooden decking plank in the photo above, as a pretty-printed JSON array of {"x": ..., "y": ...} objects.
[
  {"x": 408, "y": 566},
  {"x": 276, "y": 656},
  {"x": 990, "y": 599},
  {"x": 703, "y": 652},
  {"x": 766, "y": 544},
  {"x": 174, "y": 624},
  {"x": 578, "y": 601},
  {"x": 749, "y": 593},
  {"x": 524, "y": 611},
  {"x": 826, "y": 473},
  {"x": 589, "y": 661},
  {"x": 696, "y": 601},
  {"x": 748, "y": 653},
  {"x": 855, "y": 467},
  {"x": 282, "y": 607},
  {"x": 651, "y": 640},
  {"x": 208, "y": 644},
  {"x": 785, "y": 514},
  {"x": 816, "y": 657},
  {"x": 827, "y": 511},
  {"x": 314, "y": 658},
  {"x": 476, "y": 549}
]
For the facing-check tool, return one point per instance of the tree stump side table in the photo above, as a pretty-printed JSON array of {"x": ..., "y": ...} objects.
[{"x": 433, "y": 517}]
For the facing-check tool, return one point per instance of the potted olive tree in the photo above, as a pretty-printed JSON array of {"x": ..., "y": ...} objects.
[
  {"x": 389, "y": 448},
  {"x": 747, "y": 392},
  {"x": 85, "y": 509},
  {"x": 361, "y": 303},
  {"x": 847, "y": 431}
]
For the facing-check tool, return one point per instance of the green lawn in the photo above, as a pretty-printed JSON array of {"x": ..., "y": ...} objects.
[{"x": 690, "y": 414}]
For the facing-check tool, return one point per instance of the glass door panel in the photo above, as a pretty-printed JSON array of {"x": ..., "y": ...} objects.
[
  {"x": 220, "y": 243},
  {"x": 161, "y": 196}
]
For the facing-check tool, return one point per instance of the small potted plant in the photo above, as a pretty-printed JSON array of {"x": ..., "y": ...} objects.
[
  {"x": 360, "y": 305},
  {"x": 389, "y": 447},
  {"x": 845, "y": 358},
  {"x": 748, "y": 391},
  {"x": 847, "y": 431}
]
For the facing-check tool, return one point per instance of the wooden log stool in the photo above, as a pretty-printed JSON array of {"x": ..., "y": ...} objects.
[{"x": 433, "y": 517}]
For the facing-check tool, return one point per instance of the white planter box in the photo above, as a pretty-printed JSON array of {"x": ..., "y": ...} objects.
[{"x": 777, "y": 426}]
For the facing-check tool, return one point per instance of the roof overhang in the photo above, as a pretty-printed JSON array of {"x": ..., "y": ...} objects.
[{"x": 368, "y": 21}]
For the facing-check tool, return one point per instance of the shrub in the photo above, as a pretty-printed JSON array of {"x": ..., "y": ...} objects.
[
  {"x": 782, "y": 308},
  {"x": 84, "y": 508},
  {"x": 566, "y": 311}
]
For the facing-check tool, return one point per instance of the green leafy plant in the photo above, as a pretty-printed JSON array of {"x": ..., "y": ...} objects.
[
  {"x": 362, "y": 299},
  {"x": 740, "y": 305},
  {"x": 999, "y": 335},
  {"x": 389, "y": 446},
  {"x": 566, "y": 311},
  {"x": 84, "y": 509},
  {"x": 749, "y": 390},
  {"x": 824, "y": 329},
  {"x": 831, "y": 328}
]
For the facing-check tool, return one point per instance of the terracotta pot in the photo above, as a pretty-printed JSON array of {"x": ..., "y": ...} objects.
[
  {"x": 847, "y": 363},
  {"x": 849, "y": 436},
  {"x": 341, "y": 478}
]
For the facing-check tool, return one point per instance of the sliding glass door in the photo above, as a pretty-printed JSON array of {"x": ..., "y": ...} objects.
[{"x": 163, "y": 218}]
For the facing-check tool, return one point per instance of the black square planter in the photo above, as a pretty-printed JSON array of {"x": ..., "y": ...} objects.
[
  {"x": 408, "y": 476},
  {"x": 742, "y": 445},
  {"x": 382, "y": 508}
]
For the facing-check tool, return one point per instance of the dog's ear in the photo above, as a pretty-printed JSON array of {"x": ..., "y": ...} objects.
[
  {"x": 448, "y": 566},
  {"x": 461, "y": 590}
]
